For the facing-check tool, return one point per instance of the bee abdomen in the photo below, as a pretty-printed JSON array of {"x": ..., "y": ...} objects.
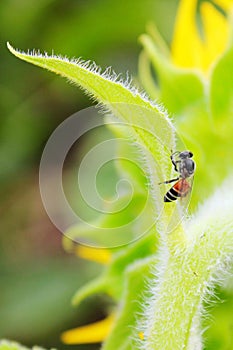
[{"x": 171, "y": 195}]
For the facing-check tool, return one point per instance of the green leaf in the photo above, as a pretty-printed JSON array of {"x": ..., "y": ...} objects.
[
  {"x": 8, "y": 345},
  {"x": 124, "y": 222},
  {"x": 11, "y": 345},
  {"x": 125, "y": 334},
  {"x": 129, "y": 164},
  {"x": 221, "y": 89},
  {"x": 112, "y": 279},
  {"x": 179, "y": 90},
  {"x": 145, "y": 76},
  {"x": 149, "y": 125}
]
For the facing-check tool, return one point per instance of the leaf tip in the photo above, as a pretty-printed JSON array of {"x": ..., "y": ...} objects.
[{"x": 10, "y": 48}]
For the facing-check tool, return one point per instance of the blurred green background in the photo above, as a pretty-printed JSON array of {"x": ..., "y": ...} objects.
[{"x": 38, "y": 278}]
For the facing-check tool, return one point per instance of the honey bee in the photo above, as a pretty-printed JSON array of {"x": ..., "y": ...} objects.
[{"x": 185, "y": 166}]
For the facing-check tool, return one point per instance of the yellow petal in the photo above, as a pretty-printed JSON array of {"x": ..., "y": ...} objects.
[
  {"x": 92, "y": 333},
  {"x": 102, "y": 256},
  {"x": 224, "y": 4},
  {"x": 187, "y": 48},
  {"x": 216, "y": 33},
  {"x": 141, "y": 335}
]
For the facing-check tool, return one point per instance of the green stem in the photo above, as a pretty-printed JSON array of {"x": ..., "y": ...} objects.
[{"x": 186, "y": 280}]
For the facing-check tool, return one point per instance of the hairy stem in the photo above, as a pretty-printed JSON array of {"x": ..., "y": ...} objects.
[{"x": 187, "y": 276}]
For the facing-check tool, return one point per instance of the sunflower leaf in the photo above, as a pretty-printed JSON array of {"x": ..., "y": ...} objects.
[{"x": 149, "y": 125}]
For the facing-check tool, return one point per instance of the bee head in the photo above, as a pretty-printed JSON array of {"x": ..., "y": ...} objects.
[{"x": 185, "y": 154}]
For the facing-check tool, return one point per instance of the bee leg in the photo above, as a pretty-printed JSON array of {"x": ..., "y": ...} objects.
[
  {"x": 175, "y": 162},
  {"x": 169, "y": 181}
]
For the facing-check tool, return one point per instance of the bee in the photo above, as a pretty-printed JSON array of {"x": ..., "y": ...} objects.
[{"x": 185, "y": 166}]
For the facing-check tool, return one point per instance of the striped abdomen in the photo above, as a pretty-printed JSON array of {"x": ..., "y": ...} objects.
[{"x": 180, "y": 189}]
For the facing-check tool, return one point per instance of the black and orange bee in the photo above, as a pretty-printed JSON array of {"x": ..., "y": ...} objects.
[{"x": 184, "y": 165}]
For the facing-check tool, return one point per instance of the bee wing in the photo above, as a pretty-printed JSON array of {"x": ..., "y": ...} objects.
[
  {"x": 187, "y": 185},
  {"x": 181, "y": 209}
]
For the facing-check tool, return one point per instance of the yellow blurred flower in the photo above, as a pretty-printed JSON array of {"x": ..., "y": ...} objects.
[
  {"x": 196, "y": 48},
  {"x": 102, "y": 256},
  {"x": 92, "y": 333}
]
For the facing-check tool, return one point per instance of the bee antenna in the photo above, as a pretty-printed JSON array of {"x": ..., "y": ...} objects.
[{"x": 173, "y": 153}]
